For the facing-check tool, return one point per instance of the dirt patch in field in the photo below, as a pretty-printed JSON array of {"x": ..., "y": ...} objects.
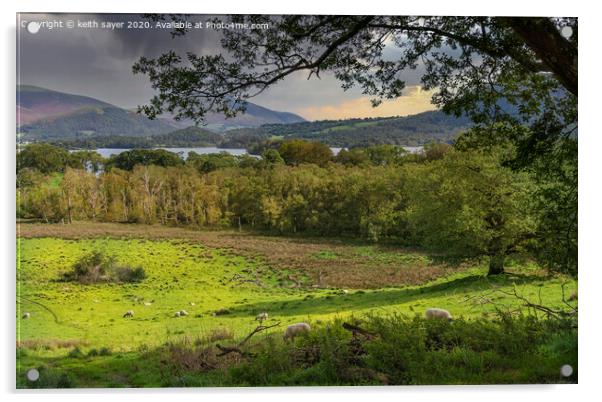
[
  {"x": 50, "y": 343},
  {"x": 320, "y": 263}
]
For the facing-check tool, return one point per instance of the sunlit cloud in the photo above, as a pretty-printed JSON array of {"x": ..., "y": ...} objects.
[{"x": 414, "y": 100}]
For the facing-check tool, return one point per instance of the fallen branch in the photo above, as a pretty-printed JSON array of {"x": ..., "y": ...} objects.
[
  {"x": 236, "y": 349},
  {"x": 357, "y": 330},
  {"x": 548, "y": 310}
]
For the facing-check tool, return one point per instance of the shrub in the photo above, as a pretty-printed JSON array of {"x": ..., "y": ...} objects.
[
  {"x": 127, "y": 274},
  {"x": 97, "y": 267}
]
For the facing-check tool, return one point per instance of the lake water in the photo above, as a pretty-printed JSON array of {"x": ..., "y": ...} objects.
[{"x": 107, "y": 152}]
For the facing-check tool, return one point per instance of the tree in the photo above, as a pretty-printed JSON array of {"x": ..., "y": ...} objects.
[
  {"x": 485, "y": 67},
  {"x": 467, "y": 204},
  {"x": 516, "y": 78},
  {"x": 86, "y": 160},
  {"x": 295, "y": 152},
  {"x": 129, "y": 159},
  {"x": 271, "y": 157},
  {"x": 44, "y": 157}
]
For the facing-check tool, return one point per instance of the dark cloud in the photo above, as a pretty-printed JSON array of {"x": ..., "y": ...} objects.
[{"x": 98, "y": 62}]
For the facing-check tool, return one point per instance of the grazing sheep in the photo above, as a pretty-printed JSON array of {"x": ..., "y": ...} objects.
[
  {"x": 177, "y": 314},
  {"x": 261, "y": 317},
  {"x": 129, "y": 313},
  {"x": 183, "y": 313},
  {"x": 296, "y": 329},
  {"x": 438, "y": 314},
  {"x": 26, "y": 316},
  {"x": 345, "y": 292}
]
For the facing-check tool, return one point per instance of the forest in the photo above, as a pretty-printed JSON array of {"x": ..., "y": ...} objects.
[{"x": 463, "y": 202}]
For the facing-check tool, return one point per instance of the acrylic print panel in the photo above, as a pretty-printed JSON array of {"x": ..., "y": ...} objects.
[{"x": 287, "y": 200}]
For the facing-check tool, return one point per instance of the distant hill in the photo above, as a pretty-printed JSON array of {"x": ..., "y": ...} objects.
[
  {"x": 35, "y": 103},
  {"x": 414, "y": 130},
  {"x": 254, "y": 116},
  {"x": 187, "y": 137},
  {"x": 44, "y": 114}
]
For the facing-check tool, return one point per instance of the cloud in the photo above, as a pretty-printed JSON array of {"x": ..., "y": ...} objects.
[
  {"x": 98, "y": 63},
  {"x": 415, "y": 100}
]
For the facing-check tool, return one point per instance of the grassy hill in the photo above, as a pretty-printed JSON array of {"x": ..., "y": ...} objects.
[
  {"x": 77, "y": 336},
  {"x": 414, "y": 130}
]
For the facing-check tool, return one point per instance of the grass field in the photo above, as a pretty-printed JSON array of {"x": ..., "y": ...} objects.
[{"x": 77, "y": 334}]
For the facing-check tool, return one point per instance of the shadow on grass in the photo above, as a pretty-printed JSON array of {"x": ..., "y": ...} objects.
[{"x": 337, "y": 302}]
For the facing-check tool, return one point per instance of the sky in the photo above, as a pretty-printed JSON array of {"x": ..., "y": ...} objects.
[{"x": 98, "y": 63}]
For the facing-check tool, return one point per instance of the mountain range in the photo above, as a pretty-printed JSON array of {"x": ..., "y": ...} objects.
[
  {"x": 44, "y": 114},
  {"x": 77, "y": 121}
]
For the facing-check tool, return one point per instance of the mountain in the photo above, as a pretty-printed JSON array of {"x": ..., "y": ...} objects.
[
  {"x": 414, "y": 130},
  {"x": 44, "y": 114},
  {"x": 254, "y": 116},
  {"x": 35, "y": 103}
]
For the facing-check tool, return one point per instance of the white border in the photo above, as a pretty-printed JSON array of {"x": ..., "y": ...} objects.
[{"x": 590, "y": 223}]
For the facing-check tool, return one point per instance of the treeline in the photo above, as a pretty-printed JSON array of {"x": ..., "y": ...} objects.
[
  {"x": 187, "y": 137},
  {"x": 465, "y": 203}
]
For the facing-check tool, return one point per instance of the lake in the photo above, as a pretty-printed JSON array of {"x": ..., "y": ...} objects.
[{"x": 107, "y": 152}]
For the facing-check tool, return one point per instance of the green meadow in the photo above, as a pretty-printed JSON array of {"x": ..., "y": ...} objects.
[{"x": 77, "y": 333}]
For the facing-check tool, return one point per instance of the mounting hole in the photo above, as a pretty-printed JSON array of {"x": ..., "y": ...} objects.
[
  {"x": 33, "y": 27},
  {"x": 567, "y": 31},
  {"x": 33, "y": 374},
  {"x": 566, "y": 370}
]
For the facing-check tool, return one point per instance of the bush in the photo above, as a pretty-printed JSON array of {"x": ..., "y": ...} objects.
[
  {"x": 412, "y": 350},
  {"x": 97, "y": 267},
  {"x": 127, "y": 274}
]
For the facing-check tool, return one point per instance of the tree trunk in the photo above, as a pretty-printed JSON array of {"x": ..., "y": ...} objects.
[
  {"x": 555, "y": 51},
  {"x": 496, "y": 264}
]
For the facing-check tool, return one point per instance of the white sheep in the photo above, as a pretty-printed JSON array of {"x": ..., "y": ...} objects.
[
  {"x": 129, "y": 313},
  {"x": 177, "y": 314},
  {"x": 26, "y": 316},
  {"x": 261, "y": 317},
  {"x": 438, "y": 314},
  {"x": 296, "y": 329},
  {"x": 345, "y": 292},
  {"x": 183, "y": 313}
]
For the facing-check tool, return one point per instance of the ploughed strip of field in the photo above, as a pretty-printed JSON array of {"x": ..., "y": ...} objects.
[{"x": 318, "y": 262}]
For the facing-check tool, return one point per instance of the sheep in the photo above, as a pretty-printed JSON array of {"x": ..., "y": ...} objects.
[
  {"x": 26, "y": 316},
  {"x": 183, "y": 313},
  {"x": 345, "y": 292},
  {"x": 438, "y": 313},
  {"x": 296, "y": 329},
  {"x": 177, "y": 314},
  {"x": 129, "y": 313},
  {"x": 261, "y": 317}
]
